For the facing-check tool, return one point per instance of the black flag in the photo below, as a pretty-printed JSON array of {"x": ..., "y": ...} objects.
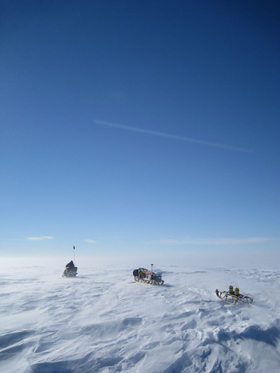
[{"x": 73, "y": 247}]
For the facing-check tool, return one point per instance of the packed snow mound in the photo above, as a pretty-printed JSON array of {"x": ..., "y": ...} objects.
[{"x": 104, "y": 321}]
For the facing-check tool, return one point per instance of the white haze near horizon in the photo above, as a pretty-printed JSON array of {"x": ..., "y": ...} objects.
[{"x": 102, "y": 321}]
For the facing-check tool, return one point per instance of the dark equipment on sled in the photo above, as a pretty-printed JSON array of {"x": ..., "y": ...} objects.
[{"x": 148, "y": 277}]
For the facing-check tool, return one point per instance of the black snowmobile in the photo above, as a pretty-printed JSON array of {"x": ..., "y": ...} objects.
[{"x": 70, "y": 270}]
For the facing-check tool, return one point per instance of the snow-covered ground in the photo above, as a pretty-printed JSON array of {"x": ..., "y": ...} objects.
[{"x": 103, "y": 321}]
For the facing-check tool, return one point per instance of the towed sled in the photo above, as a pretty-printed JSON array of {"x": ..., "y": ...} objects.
[
  {"x": 148, "y": 277},
  {"x": 233, "y": 296}
]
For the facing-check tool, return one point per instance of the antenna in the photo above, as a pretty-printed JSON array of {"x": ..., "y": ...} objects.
[{"x": 74, "y": 253}]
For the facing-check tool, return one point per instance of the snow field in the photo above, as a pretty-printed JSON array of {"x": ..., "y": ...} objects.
[{"x": 103, "y": 321}]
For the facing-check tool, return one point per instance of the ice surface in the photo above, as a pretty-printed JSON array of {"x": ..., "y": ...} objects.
[{"x": 103, "y": 321}]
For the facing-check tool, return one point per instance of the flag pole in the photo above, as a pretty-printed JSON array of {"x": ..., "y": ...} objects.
[{"x": 74, "y": 253}]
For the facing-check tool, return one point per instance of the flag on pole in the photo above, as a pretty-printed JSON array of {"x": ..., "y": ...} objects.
[{"x": 73, "y": 247}]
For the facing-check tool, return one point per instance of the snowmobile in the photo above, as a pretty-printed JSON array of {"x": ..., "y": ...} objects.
[
  {"x": 233, "y": 296},
  {"x": 70, "y": 270},
  {"x": 149, "y": 277}
]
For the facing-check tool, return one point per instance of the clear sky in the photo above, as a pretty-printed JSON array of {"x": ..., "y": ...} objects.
[{"x": 139, "y": 126}]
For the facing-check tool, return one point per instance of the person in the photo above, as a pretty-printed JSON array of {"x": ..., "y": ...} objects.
[{"x": 70, "y": 265}]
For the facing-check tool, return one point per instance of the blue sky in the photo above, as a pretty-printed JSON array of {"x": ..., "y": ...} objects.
[{"x": 139, "y": 125}]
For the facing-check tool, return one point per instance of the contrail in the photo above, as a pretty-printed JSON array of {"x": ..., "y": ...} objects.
[{"x": 175, "y": 137}]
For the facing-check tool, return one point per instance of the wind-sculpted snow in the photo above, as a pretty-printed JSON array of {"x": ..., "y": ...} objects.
[{"x": 103, "y": 321}]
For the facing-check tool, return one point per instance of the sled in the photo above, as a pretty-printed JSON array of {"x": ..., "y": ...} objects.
[
  {"x": 233, "y": 297},
  {"x": 147, "y": 277}
]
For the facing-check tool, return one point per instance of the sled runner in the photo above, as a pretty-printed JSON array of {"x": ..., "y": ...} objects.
[
  {"x": 233, "y": 297},
  {"x": 148, "y": 277}
]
